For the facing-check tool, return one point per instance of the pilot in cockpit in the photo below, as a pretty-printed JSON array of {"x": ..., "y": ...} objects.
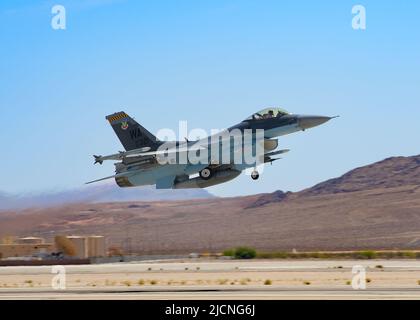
[{"x": 269, "y": 114}]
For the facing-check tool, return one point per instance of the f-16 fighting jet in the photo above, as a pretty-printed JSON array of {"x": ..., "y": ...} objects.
[{"x": 205, "y": 162}]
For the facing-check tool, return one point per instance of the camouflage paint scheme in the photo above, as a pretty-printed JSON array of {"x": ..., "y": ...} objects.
[{"x": 138, "y": 165}]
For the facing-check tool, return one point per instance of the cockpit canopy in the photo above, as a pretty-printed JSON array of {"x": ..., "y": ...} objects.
[{"x": 268, "y": 113}]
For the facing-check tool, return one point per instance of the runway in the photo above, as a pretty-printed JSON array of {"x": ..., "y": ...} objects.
[
  {"x": 217, "y": 279},
  {"x": 219, "y": 294}
]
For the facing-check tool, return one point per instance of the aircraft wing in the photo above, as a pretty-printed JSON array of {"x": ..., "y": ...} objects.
[
  {"x": 166, "y": 182},
  {"x": 143, "y": 153},
  {"x": 172, "y": 150}
]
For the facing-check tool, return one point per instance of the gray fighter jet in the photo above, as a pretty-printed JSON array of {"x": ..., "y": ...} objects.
[{"x": 145, "y": 159}]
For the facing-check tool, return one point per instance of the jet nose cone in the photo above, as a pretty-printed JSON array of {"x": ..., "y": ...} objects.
[{"x": 306, "y": 122}]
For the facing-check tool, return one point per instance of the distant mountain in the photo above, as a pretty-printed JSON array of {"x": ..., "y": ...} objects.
[
  {"x": 105, "y": 192},
  {"x": 269, "y": 198},
  {"x": 389, "y": 173}
]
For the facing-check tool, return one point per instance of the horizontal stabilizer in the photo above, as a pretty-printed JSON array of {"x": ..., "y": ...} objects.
[
  {"x": 274, "y": 153},
  {"x": 271, "y": 160}
]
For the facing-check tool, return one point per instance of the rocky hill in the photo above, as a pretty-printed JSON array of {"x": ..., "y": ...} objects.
[{"x": 389, "y": 173}]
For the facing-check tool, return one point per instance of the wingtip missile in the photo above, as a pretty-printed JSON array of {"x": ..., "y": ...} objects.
[
  {"x": 98, "y": 159},
  {"x": 122, "y": 154}
]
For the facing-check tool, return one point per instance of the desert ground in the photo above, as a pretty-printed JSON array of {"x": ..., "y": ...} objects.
[{"x": 215, "y": 279}]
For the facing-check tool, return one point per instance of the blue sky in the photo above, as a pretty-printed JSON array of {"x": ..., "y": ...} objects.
[{"x": 211, "y": 63}]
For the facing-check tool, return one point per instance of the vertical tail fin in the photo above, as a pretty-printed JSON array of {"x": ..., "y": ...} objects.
[{"x": 131, "y": 134}]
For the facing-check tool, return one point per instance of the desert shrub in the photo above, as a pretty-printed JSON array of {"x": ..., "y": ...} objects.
[
  {"x": 368, "y": 254},
  {"x": 268, "y": 282},
  {"x": 126, "y": 283},
  {"x": 245, "y": 253},
  {"x": 409, "y": 254},
  {"x": 229, "y": 253}
]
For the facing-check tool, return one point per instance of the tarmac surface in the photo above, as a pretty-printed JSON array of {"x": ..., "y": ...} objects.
[{"x": 217, "y": 279}]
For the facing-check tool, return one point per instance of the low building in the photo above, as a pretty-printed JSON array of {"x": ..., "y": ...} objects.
[
  {"x": 80, "y": 246},
  {"x": 88, "y": 246},
  {"x": 96, "y": 246},
  {"x": 25, "y": 250},
  {"x": 30, "y": 240}
]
